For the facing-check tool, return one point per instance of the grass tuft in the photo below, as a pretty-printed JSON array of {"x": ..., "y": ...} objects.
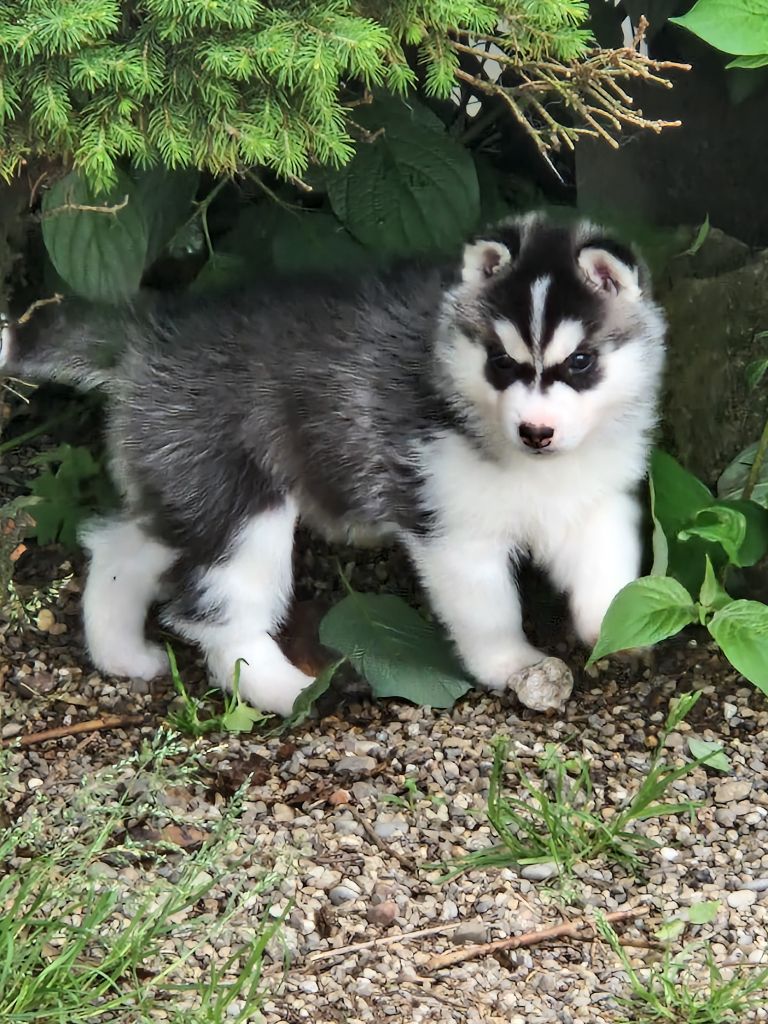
[
  {"x": 554, "y": 818},
  {"x": 684, "y": 988},
  {"x": 79, "y": 942}
]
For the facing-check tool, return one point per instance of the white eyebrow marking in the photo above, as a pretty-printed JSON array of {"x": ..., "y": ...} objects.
[
  {"x": 567, "y": 337},
  {"x": 539, "y": 291},
  {"x": 510, "y": 338}
]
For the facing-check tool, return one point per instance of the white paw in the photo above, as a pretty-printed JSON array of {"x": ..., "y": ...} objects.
[
  {"x": 545, "y": 685},
  {"x": 277, "y": 692},
  {"x": 143, "y": 662},
  {"x": 494, "y": 668}
]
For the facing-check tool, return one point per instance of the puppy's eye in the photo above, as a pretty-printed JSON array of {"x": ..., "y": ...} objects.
[
  {"x": 579, "y": 362},
  {"x": 501, "y": 361}
]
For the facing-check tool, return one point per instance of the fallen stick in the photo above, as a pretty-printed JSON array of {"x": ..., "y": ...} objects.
[
  {"x": 383, "y": 940},
  {"x": 569, "y": 929},
  {"x": 92, "y": 725}
]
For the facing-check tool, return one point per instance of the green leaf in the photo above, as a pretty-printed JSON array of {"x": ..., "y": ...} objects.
[
  {"x": 395, "y": 649},
  {"x": 241, "y": 717},
  {"x": 101, "y": 256},
  {"x": 165, "y": 198},
  {"x": 741, "y": 631},
  {"x": 755, "y": 543},
  {"x": 703, "y": 913},
  {"x": 734, "y": 477},
  {"x": 755, "y": 372},
  {"x": 308, "y": 696},
  {"x": 711, "y": 754},
  {"x": 644, "y": 612},
  {"x": 659, "y": 541},
  {"x": 413, "y": 189},
  {"x": 734, "y": 26},
  {"x": 701, "y": 236},
  {"x": 315, "y": 243},
  {"x": 757, "y": 60},
  {"x": 668, "y": 931},
  {"x": 720, "y": 525},
  {"x": 712, "y": 595},
  {"x": 679, "y": 495}
]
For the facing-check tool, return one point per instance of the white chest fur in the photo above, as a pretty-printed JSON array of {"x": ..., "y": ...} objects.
[{"x": 530, "y": 501}]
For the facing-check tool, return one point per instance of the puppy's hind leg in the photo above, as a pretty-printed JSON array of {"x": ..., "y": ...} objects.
[
  {"x": 231, "y": 606},
  {"x": 126, "y": 566}
]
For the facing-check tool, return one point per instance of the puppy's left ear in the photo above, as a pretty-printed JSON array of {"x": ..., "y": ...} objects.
[
  {"x": 610, "y": 268},
  {"x": 482, "y": 259}
]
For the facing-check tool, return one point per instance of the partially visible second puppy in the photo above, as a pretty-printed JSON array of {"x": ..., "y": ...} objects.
[{"x": 502, "y": 410}]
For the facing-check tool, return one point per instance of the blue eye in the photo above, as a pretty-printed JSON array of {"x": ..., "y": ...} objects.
[{"x": 579, "y": 362}]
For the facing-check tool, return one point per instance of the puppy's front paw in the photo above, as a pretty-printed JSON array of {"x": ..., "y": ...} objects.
[{"x": 546, "y": 685}]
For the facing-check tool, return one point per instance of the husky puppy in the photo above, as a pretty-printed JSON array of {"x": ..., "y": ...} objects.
[{"x": 498, "y": 409}]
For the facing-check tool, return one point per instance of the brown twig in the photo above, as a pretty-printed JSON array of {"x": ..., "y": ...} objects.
[
  {"x": 407, "y": 862},
  {"x": 92, "y": 725},
  {"x": 384, "y": 940},
  {"x": 27, "y": 314},
  {"x": 568, "y": 929},
  {"x": 86, "y": 208}
]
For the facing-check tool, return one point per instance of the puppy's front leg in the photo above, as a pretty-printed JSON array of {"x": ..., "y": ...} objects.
[
  {"x": 599, "y": 555},
  {"x": 472, "y": 589}
]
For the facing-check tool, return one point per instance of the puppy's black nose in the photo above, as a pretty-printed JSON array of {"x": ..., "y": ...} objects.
[{"x": 536, "y": 437}]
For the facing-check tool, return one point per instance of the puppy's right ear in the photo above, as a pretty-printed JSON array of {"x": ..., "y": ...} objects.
[{"x": 483, "y": 259}]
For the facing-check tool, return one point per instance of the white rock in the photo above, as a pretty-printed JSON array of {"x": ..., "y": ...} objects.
[
  {"x": 547, "y": 684},
  {"x": 539, "y": 872},
  {"x": 732, "y": 790},
  {"x": 741, "y": 899}
]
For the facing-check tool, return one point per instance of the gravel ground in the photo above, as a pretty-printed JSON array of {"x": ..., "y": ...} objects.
[
  {"x": 318, "y": 795},
  {"x": 319, "y": 801}
]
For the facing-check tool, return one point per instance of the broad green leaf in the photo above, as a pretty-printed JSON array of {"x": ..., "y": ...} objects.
[
  {"x": 734, "y": 477},
  {"x": 395, "y": 650},
  {"x": 413, "y": 189},
  {"x": 703, "y": 913},
  {"x": 712, "y": 594},
  {"x": 757, "y": 60},
  {"x": 101, "y": 256},
  {"x": 222, "y": 272},
  {"x": 241, "y": 717},
  {"x": 679, "y": 495},
  {"x": 741, "y": 631},
  {"x": 643, "y": 613},
  {"x": 165, "y": 197},
  {"x": 734, "y": 26},
  {"x": 659, "y": 541},
  {"x": 720, "y": 525},
  {"x": 315, "y": 243},
  {"x": 712, "y": 754},
  {"x": 755, "y": 543}
]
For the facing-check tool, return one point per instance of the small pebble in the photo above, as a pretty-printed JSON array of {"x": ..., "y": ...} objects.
[{"x": 741, "y": 898}]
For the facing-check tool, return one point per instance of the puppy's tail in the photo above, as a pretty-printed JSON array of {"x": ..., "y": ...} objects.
[{"x": 71, "y": 342}]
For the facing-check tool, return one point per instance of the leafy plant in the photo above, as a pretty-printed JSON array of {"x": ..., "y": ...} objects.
[
  {"x": 66, "y": 496},
  {"x": 683, "y": 987},
  {"x": 224, "y": 87},
  {"x": 394, "y": 649},
  {"x": 77, "y": 947},
  {"x": 197, "y": 716},
  {"x": 698, "y": 540},
  {"x": 739, "y": 27},
  {"x": 555, "y": 821}
]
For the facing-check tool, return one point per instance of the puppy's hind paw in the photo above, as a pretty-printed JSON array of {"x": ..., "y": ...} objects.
[{"x": 544, "y": 686}]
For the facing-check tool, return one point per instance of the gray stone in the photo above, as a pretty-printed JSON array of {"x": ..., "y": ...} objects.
[
  {"x": 741, "y": 899},
  {"x": 470, "y": 932},
  {"x": 539, "y": 872},
  {"x": 732, "y": 790},
  {"x": 344, "y": 893}
]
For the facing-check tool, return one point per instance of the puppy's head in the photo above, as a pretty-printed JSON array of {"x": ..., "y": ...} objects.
[{"x": 551, "y": 335}]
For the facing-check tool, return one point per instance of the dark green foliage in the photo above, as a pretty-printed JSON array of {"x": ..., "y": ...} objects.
[
  {"x": 225, "y": 85},
  {"x": 76, "y": 489}
]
